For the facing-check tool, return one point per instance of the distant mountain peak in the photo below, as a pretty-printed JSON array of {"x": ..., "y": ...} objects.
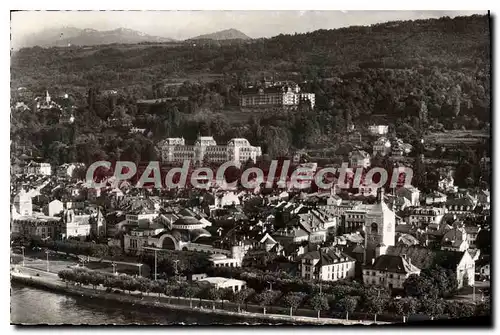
[
  {"x": 74, "y": 36},
  {"x": 227, "y": 34}
]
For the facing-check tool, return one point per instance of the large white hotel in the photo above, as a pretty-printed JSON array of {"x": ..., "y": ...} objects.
[{"x": 237, "y": 150}]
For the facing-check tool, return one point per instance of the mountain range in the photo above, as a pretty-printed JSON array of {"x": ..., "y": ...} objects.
[{"x": 75, "y": 36}]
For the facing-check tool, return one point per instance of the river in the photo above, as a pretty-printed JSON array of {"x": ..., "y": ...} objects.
[{"x": 34, "y": 306}]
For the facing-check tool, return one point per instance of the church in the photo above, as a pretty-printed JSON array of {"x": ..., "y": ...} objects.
[{"x": 380, "y": 229}]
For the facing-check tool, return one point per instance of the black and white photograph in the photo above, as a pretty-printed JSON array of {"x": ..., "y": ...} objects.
[{"x": 251, "y": 167}]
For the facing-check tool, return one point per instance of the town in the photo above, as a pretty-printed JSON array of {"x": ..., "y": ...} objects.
[{"x": 402, "y": 233}]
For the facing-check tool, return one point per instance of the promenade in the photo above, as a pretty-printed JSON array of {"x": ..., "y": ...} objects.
[{"x": 49, "y": 280}]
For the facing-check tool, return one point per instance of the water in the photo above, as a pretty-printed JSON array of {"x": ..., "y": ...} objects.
[{"x": 35, "y": 306}]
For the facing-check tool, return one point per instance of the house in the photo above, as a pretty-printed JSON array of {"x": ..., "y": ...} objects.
[
  {"x": 381, "y": 147},
  {"x": 472, "y": 232},
  {"x": 359, "y": 158},
  {"x": 461, "y": 204},
  {"x": 328, "y": 264},
  {"x": 460, "y": 262},
  {"x": 37, "y": 225},
  {"x": 75, "y": 223},
  {"x": 66, "y": 170},
  {"x": 455, "y": 239},
  {"x": 426, "y": 215},
  {"x": 36, "y": 168},
  {"x": 435, "y": 198},
  {"x": 378, "y": 129},
  {"x": 447, "y": 184},
  {"x": 411, "y": 193},
  {"x": 389, "y": 271},
  {"x": 22, "y": 204},
  {"x": 224, "y": 283},
  {"x": 54, "y": 207},
  {"x": 483, "y": 267}
]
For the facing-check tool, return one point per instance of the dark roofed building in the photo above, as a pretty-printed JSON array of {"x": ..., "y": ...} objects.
[
  {"x": 460, "y": 262},
  {"x": 390, "y": 271}
]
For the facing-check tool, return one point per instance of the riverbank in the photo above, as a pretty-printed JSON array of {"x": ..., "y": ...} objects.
[{"x": 152, "y": 301}]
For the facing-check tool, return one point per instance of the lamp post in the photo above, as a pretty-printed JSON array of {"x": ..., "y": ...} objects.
[
  {"x": 156, "y": 259},
  {"x": 156, "y": 264},
  {"x": 176, "y": 271},
  {"x": 22, "y": 248},
  {"x": 114, "y": 267},
  {"x": 139, "y": 265},
  {"x": 47, "y": 252}
]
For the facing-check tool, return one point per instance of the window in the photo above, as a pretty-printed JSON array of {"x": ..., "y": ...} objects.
[{"x": 374, "y": 227}]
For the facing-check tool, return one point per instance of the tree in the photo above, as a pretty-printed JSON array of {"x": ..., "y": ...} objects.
[
  {"x": 293, "y": 300},
  {"x": 319, "y": 302},
  {"x": 483, "y": 308},
  {"x": 241, "y": 296},
  {"x": 266, "y": 298},
  {"x": 406, "y": 306},
  {"x": 375, "y": 300},
  {"x": 191, "y": 291},
  {"x": 214, "y": 294},
  {"x": 432, "y": 307},
  {"x": 420, "y": 286},
  {"x": 347, "y": 305}
]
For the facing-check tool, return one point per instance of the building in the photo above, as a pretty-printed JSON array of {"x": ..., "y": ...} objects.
[
  {"x": 424, "y": 216},
  {"x": 37, "y": 225},
  {"x": 237, "y": 150},
  {"x": 382, "y": 147},
  {"x": 411, "y": 193},
  {"x": 455, "y": 240},
  {"x": 435, "y": 198},
  {"x": 54, "y": 207},
  {"x": 75, "y": 225},
  {"x": 22, "y": 204},
  {"x": 460, "y": 262},
  {"x": 66, "y": 170},
  {"x": 327, "y": 264},
  {"x": 36, "y": 168},
  {"x": 460, "y": 205},
  {"x": 378, "y": 129},
  {"x": 389, "y": 271},
  {"x": 447, "y": 184},
  {"x": 379, "y": 227},
  {"x": 287, "y": 94},
  {"x": 359, "y": 158},
  {"x": 224, "y": 283}
]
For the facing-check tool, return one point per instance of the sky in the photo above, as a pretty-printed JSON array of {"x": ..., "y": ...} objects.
[{"x": 186, "y": 24}]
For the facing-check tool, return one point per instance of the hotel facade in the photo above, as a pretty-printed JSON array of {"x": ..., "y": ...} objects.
[{"x": 237, "y": 150}]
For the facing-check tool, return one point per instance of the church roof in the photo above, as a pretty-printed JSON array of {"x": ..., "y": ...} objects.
[{"x": 392, "y": 263}]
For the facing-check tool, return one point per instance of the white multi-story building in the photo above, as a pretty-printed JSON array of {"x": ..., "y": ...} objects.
[
  {"x": 279, "y": 94},
  {"x": 378, "y": 129},
  {"x": 43, "y": 169},
  {"x": 426, "y": 215},
  {"x": 237, "y": 150},
  {"x": 327, "y": 264}
]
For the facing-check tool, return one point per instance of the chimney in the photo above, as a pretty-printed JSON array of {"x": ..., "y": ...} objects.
[{"x": 380, "y": 195}]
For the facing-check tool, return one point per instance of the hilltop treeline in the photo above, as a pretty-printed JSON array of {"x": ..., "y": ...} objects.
[{"x": 400, "y": 71}]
